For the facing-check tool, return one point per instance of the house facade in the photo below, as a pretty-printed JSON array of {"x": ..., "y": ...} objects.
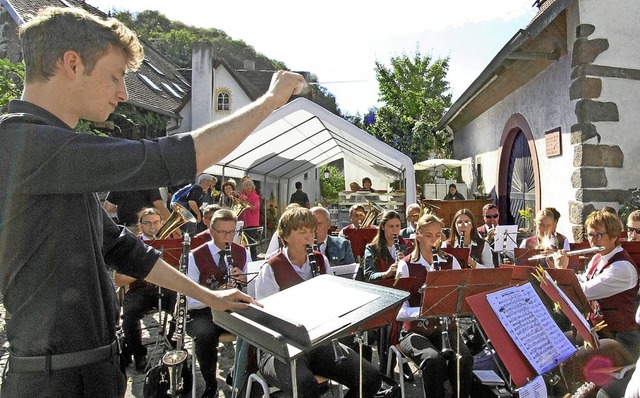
[{"x": 552, "y": 121}]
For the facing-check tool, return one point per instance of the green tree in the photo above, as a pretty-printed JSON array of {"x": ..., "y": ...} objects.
[
  {"x": 11, "y": 82},
  {"x": 414, "y": 92},
  {"x": 330, "y": 187}
]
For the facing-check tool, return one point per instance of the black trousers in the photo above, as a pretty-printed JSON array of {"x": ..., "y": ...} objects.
[
  {"x": 137, "y": 302},
  {"x": 424, "y": 351},
  {"x": 206, "y": 336},
  {"x": 321, "y": 361},
  {"x": 102, "y": 379}
]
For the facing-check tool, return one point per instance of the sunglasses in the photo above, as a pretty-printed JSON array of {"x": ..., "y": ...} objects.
[
  {"x": 634, "y": 230},
  {"x": 492, "y": 216}
]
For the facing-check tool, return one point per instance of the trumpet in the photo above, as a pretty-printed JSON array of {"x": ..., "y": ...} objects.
[{"x": 579, "y": 252}]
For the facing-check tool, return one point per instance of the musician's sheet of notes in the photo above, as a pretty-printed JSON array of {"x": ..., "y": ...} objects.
[{"x": 532, "y": 329}]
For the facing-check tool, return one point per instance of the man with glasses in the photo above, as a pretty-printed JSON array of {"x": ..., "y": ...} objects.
[
  {"x": 412, "y": 214},
  {"x": 491, "y": 217},
  {"x": 610, "y": 283},
  {"x": 212, "y": 266},
  {"x": 633, "y": 226},
  {"x": 142, "y": 296},
  {"x": 337, "y": 249}
]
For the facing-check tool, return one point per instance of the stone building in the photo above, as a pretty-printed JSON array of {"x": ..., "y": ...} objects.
[{"x": 552, "y": 119}]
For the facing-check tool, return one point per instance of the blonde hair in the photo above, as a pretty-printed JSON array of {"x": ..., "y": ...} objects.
[
  {"x": 610, "y": 222},
  {"x": 295, "y": 218},
  {"x": 56, "y": 30}
]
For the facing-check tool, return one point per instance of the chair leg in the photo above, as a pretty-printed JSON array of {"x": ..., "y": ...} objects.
[
  {"x": 394, "y": 352},
  {"x": 263, "y": 383}
]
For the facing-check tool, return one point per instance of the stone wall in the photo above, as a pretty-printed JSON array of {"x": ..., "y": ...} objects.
[{"x": 9, "y": 42}]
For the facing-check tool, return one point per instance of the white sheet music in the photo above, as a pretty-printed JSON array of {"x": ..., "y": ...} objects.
[
  {"x": 532, "y": 329},
  {"x": 317, "y": 316},
  {"x": 534, "y": 389}
]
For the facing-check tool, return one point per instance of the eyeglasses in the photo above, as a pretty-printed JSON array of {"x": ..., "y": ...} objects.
[
  {"x": 634, "y": 230},
  {"x": 151, "y": 223},
  {"x": 595, "y": 236},
  {"x": 463, "y": 223},
  {"x": 491, "y": 215},
  {"x": 225, "y": 233}
]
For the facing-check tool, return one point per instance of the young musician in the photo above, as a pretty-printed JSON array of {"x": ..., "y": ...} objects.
[
  {"x": 209, "y": 265},
  {"x": 421, "y": 342},
  {"x": 381, "y": 256},
  {"x": 465, "y": 234},
  {"x": 56, "y": 284},
  {"x": 546, "y": 237},
  {"x": 287, "y": 268},
  {"x": 356, "y": 216}
]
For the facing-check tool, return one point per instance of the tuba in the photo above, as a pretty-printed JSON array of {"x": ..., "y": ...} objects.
[
  {"x": 237, "y": 205},
  {"x": 373, "y": 213},
  {"x": 180, "y": 215}
]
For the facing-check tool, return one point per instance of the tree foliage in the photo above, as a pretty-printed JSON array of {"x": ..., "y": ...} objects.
[
  {"x": 330, "y": 187},
  {"x": 11, "y": 82},
  {"x": 414, "y": 92}
]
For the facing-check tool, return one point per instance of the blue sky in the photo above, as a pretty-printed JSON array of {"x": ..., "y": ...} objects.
[{"x": 340, "y": 41}]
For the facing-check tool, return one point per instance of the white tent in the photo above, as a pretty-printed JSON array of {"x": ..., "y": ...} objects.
[{"x": 301, "y": 136}]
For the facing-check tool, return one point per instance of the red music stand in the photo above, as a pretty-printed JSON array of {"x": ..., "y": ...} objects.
[
  {"x": 445, "y": 291},
  {"x": 359, "y": 239},
  {"x": 460, "y": 253},
  {"x": 172, "y": 248},
  {"x": 521, "y": 257}
]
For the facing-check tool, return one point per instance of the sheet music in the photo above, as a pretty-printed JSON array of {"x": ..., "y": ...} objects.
[
  {"x": 535, "y": 389},
  {"x": 317, "y": 316},
  {"x": 532, "y": 329}
]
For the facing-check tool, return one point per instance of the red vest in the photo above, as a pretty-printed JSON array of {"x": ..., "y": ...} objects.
[
  {"x": 285, "y": 275},
  {"x": 209, "y": 270},
  {"x": 618, "y": 311}
]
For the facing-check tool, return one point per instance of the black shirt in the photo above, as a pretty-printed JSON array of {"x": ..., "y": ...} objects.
[
  {"x": 300, "y": 197},
  {"x": 56, "y": 241},
  {"x": 131, "y": 202}
]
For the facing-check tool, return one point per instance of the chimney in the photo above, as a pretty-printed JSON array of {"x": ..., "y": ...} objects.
[
  {"x": 249, "y": 65},
  {"x": 202, "y": 84}
]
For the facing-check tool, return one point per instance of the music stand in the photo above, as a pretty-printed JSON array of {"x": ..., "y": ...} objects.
[
  {"x": 359, "y": 239},
  {"x": 172, "y": 248},
  {"x": 445, "y": 291},
  {"x": 460, "y": 253},
  {"x": 283, "y": 332},
  {"x": 504, "y": 240},
  {"x": 521, "y": 257}
]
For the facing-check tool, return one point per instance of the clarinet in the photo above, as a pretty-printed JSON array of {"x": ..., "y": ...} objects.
[
  {"x": 461, "y": 240},
  {"x": 312, "y": 262},
  {"x": 396, "y": 245},
  {"x": 174, "y": 359},
  {"x": 229, "y": 260},
  {"x": 436, "y": 261}
]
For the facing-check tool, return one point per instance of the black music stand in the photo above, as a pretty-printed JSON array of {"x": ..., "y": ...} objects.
[{"x": 279, "y": 332}]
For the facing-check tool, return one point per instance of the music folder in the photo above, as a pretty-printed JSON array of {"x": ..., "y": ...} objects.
[{"x": 314, "y": 312}]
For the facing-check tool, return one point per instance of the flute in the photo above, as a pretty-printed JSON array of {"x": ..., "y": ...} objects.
[{"x": 579, "y": 252}]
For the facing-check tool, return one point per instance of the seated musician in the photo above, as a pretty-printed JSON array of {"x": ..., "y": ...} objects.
[
  {"x": 464, "y": 233},
  {"x": 356, "y": 216},
  {"x": 381, "y": 255},
  {"x": 610, "y": 283},
  {"x": 142, "y": 296},
  {"x": 422, "y": 343},
  {"x": 207, "y": 213},
  {"x": 412, "y": 214},
  {"x": 633, "y": 226},
  {"x": 287, "y": 268},
  {"x": 546, "y": 239},
  {"x": 209, "y": 266},
  {"x": 336, "y": 249}
]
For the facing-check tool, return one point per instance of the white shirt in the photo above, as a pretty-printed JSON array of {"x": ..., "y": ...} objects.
[
  {"x": 266, "y": 284},
  {"x": 194, "y": 273},
  {"x": 618, "y": 277},
  {"x": 406, "y": 312},
  {"x": 485, "y": 256}
]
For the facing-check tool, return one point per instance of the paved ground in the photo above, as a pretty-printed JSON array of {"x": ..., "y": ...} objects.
[{"x": 150, "y": 337}]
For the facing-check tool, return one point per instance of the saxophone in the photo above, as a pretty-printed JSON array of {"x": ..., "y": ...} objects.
[{"x": 175, "y": 359}]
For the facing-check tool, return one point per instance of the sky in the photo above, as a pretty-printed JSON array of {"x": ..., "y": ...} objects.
[{"x": 340, "y": 41}]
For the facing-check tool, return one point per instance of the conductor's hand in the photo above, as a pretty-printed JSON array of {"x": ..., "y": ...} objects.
[
  {"x": 229, "y": 299},
  {"x": 285, "y": 84}
]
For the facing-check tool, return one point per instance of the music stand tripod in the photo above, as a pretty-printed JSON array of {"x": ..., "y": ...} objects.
[{"x": 445, "y": 294}]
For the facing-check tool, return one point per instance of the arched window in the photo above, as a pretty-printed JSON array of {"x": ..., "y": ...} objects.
[{"x": 223, "y": 101}]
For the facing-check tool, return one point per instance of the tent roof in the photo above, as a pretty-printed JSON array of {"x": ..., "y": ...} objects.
[{"x": 301, "y": 136}]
